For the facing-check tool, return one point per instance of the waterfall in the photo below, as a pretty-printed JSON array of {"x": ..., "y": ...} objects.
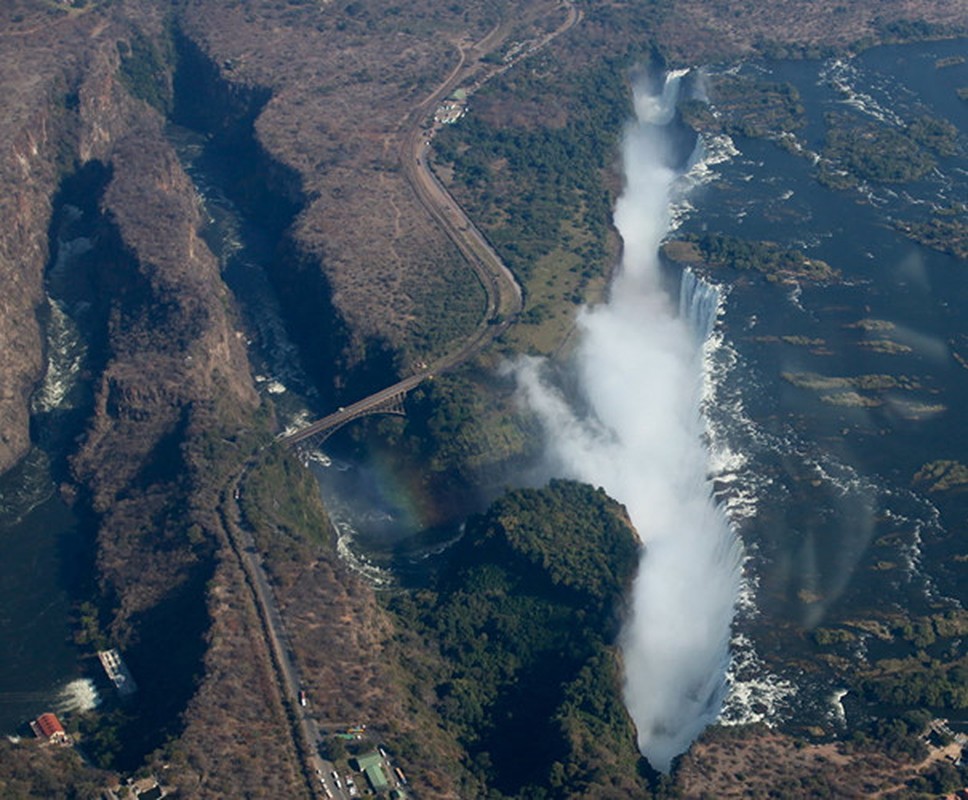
[
  {"x": 699, "y": 304},
  {"x": 641, "y": 436}
]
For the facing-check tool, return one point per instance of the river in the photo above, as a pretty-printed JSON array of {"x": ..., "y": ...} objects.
[
  {"x": 48, "y": 552},
  {"x": 821, "y": 492},
  {"x": 819, "y": 474}
]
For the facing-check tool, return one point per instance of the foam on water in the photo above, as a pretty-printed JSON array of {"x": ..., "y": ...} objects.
[
  {"x": 844, "y": 76},
  {"x": 77, "y": 696},
  {"x": 227, "y": 237},
  {"x": 837, "y": 711},
  {"x": 374, "y": 575},
  {"x": 638, "y": 431},
  {"x": 711, "y": 151},
  {"x": 754, "y": 693},
  {"x": 65, "y": 359}
]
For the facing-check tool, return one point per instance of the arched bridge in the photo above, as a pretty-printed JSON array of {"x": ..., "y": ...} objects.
[
  {"x": 387, "y": 401},
  {"x": 505, "y": 298}
]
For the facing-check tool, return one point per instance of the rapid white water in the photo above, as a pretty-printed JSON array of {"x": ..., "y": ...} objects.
[
  {"x": 640, "y": 435},
  {"x": 79, "y": 694},
  {"x": 65, "y": 360}
]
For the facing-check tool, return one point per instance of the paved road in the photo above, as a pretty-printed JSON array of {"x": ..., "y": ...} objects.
[
  {"x": 504, "y": 295},
  {"x": 305, "y": 733},
  {"x": 504, "y": 302}
]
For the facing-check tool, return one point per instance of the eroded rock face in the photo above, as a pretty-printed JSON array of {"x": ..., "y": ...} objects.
[
  {"x": 63, "y": 107},
  {"x": 171, "y": 340},
  {"x": 171, "y": 362},
  {"x": 171, "y": 394},
  {"x": 344, "y": 91},
  {"x": 20, "y": 354},
  {"x": 28, "y": 173}
]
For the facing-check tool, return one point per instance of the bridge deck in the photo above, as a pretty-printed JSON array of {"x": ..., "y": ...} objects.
[{"x": 387, "y": 401}]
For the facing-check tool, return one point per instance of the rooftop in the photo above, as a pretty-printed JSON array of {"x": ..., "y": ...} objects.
[
  {"x": 368, "y": 760},
  {"x": 47, "y": 726},
  {"x": 375, "y": 775}
]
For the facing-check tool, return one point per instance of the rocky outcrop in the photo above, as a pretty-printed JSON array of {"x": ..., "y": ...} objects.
[
  {"x": 172, "y": 396},
  {"x": 30, "y": 131}
]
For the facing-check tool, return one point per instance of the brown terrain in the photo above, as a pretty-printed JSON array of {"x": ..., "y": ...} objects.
[
  {"x": 770, "y": 764},
  {"x": 699, "y": 30},
  {"x": 341, "y": 84}
]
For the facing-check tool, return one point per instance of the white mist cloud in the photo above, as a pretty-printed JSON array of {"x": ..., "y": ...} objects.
[{"x": 639, "y": 370}]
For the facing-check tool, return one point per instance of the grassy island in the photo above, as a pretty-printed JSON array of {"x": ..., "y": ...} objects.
[
  {"x": 777, "y": 263},
  {"x": 746, "y": 107}
]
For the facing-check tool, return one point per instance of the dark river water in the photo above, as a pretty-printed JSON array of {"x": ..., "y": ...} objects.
[
  {"x": 821, "y": 492},
  {"x": 47, "y": 552},
  {"x": 40, "y": 668},
  {"x": 819, "y": 477}
]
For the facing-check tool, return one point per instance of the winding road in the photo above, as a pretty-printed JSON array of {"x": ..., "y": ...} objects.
[
  {"x": 505, "y": 298},
  {"x": 504, "y": 303}
]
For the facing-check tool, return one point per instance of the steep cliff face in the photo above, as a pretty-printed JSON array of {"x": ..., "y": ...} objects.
[
  {"x": 30, "y": 130},
  {"x": 172, "y": 341},
  {"x": 62, "y": 107},
  {"x": 343, "y": 87},
  {"x": 211, "y": 98},
  {"x": 176, "y": 367},
  {"x": 23, "y": 251},
  {"x": 163, "y": 313},
  {"x": 173, "y": 400}
]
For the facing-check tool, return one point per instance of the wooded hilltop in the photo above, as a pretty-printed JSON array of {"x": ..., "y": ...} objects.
[{"x": 173, "y": 451}]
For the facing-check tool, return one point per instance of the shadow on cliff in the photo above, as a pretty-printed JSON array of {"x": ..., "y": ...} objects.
[
  {"x": 167, "y": 661},
  {"x": 75, "y": 318},
  {"x": 270, "y": 196},
  {"x": 96, "y": 289}
]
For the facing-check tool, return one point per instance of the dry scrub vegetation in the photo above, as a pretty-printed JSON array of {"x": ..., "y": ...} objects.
[
  {"x": 236, "y": 741},
  {"x": 766, "y": 764},
  {"x": 345, "y": 80},
  {"x": 699, "y": 30}
]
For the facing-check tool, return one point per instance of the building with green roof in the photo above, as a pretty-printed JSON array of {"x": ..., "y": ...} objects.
[
  {"x": 376, "y": 777},
  {"x": 371, "y": 765}
]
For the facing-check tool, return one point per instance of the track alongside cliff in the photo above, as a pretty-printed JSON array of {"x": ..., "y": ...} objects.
[
  {"x": 304, "y": 727},
  {"x": 505, "y": 297}
]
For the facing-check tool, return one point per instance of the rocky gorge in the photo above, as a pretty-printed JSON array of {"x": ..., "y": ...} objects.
[{"x": 309, "y": 103}]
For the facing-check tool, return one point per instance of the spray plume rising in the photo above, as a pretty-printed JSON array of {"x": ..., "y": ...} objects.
[{"x": 639, "y": 368}]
